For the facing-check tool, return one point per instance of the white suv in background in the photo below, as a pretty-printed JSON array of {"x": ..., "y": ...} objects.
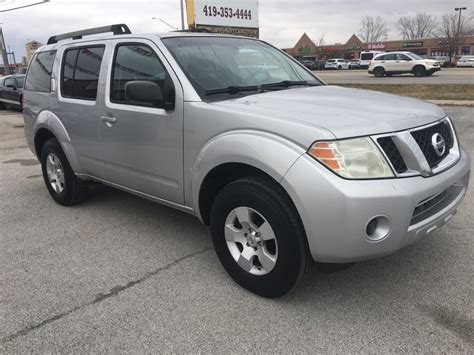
[
  {"x": 366, "y": 58},
  {"x": 401, "y": 63},
  {"x": 339, "y": 63}
]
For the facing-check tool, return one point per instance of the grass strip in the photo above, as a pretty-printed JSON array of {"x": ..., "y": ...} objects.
[{"x": 422, "y": 91}]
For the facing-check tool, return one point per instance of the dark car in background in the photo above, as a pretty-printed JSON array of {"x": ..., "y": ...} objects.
[
  {"x": 11, "y": 91},
  {"x": 310, "y": 64}
]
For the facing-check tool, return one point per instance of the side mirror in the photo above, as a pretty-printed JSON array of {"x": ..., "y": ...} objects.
[{"x": 144, "y": 91}]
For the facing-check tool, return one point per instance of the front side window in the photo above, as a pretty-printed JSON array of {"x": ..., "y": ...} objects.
[
  {"x": 213, "y": 64},
  {"x": 80, "y": 72},
  {"x": 39, "y": 73},
  {"x": 136, "y": 62}
]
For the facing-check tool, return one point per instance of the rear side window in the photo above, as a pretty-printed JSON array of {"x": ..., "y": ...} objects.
[
  {"x": 366, "y": 56},
  {"x": 39, "y": 73},
  {"x": 80, "y": 72},
  {"x": 135, "y": 62}
]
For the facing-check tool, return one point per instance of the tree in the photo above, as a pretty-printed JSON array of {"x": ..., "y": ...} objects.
[
  {"x": 373, "y": 29},
  {"x": 450, "y": 31},
  {"x": 419, "y": 26}
]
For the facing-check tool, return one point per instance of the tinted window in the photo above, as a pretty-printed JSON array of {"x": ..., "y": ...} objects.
[
  {"x": 20, "y": 80},
  {"x": 135, "y": 62},
  {"x": 380, "y": 57},
  {"x": 80, "y": 73},
  {"x": 403, "y": 57},
  {"x": 367, "y": 56},
  {"x": 39, "y": 73}
]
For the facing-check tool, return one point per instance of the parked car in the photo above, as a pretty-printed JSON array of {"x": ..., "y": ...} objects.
[
  {"x": 466, "y": 61},
  {"x": 338, "y": 64},
  {"x": 401, "y": 63},
  {"x": 284, "y": 168},
  {"x": 11, "y": 91},
  {"x": 320, "y": 64},
  {"x": 354, "y": 64},
  {"x": 366, "y": 58},
  {"x": 443, "y": 61},
  {"x": 310, "y": 64}
]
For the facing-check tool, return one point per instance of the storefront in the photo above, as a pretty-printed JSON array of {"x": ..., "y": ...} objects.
[{"x": 305, "y": 48}]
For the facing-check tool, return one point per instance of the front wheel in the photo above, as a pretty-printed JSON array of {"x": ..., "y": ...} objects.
[
  {"x": 258, "y": 236},
  {"x": 419, "y": 71},
  {"x": 63, "y": 185}
]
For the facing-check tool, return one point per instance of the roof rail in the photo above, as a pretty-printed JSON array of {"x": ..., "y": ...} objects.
[{"x": 118, "y": 29}]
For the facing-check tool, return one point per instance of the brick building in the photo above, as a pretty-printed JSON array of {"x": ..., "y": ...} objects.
[{"x": 305, "y": 48}]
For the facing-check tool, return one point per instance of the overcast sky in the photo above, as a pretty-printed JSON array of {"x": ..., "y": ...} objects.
[{"x": 281, "y": 22}]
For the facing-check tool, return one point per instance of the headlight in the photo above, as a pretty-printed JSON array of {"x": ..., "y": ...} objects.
[{"x": 357, "y": 158}]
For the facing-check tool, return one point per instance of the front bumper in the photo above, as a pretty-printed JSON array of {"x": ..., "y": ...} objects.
[{"x": 335, "y": 211}]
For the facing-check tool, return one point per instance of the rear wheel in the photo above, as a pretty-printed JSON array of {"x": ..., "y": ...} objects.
[
  {"x": 379, "y": 72},
  {"x": 63, "y": 185},
  {"x": 419, "y": 71},
  {"x": 259, "y": 237}
]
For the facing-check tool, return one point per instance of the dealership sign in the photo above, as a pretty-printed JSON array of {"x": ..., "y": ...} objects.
[
  {"x": 380, "y": 45},
  {"x": 224, "y": 16}
]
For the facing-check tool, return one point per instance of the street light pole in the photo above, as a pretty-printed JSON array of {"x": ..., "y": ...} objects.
[{"x": 460, "y": 9}]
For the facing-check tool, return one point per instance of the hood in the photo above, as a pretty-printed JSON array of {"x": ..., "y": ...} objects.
[{"x": 343, "y": 111}]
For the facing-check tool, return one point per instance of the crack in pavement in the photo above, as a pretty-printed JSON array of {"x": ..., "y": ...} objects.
[{"x": 100, "y": 297}]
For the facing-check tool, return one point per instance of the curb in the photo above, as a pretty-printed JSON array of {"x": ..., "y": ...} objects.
[{"x": 468, "y": 103}]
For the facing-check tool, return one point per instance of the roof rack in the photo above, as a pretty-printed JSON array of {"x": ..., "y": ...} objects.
[{"x": 118, "y": 29}]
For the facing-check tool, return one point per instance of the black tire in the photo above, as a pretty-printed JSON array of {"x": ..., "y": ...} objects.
[
  {"x": 2, "y": 106},
  {"x": 74, "y": 189},
  {"x": 271, "y": 201},
  {"x": 339, "y": 68},
  {"x": 419, "y": 71},
  {"x": 379, "y": 72}
]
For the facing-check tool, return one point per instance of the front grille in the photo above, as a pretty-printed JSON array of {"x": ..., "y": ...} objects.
[
  {"x": 393, "y": 154},
  {"x": 423, "y": 138}
]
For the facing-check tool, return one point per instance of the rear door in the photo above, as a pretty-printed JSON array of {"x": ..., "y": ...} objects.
[
  {"x": 142, "y": 144},
  {"x": 76, "y": 104}
]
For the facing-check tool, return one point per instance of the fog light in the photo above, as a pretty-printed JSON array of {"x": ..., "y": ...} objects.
[{"x": 378, "y": 228}]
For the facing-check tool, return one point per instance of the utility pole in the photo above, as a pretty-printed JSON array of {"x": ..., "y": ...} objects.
[
  {"x": 3, "y": 48},
  {"x": 182, "y": 14},
  {"x": 460, "y": 9}
]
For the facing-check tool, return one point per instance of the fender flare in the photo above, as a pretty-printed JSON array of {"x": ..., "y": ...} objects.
[
  {"x": 51, "y": 122},
  {"x": 272, "y": 154}
]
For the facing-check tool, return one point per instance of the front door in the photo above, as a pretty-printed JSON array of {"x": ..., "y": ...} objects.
[
  {"x": 142, "y": 143},
  {"x": 404, "y": 63}
]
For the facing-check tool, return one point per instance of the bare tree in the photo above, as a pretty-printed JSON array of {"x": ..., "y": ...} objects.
[
  {"x": 450, "y": 31},
  {"x": 419, "y": 26},
  {"x": 373, "y": 29},
  {"x": 321, "y": 40}
]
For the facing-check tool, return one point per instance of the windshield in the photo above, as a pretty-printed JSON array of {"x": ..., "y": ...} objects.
[
  {"x": 216, "y": 63},
  {"x": 20, "y": 80},
  {"x": 414, "y": 56}
]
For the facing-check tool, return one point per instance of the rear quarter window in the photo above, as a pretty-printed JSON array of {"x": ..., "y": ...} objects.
[{"x": 39, "y": 73}]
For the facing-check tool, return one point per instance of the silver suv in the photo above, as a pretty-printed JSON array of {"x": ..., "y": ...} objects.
[{"x": 284, "y": 168}]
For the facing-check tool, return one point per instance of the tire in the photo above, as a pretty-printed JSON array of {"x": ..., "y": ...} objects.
[
  {"x": 339, "y": 68},
  {"x": 272, "y": 267},
  {"x": 2, "y": 106},
  {"x": 63, "y": 186},
  {"x": 379, "y": 72},
  {"x": 419, "y": 71}
]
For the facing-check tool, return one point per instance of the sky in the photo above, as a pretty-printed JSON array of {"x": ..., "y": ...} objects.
[{"x": 281, "y": 22}]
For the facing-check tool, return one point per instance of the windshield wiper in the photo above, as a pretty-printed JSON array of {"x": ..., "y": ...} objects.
[
  {"x": 287, "y": 83},
  {"x": 231, "y": 90}
]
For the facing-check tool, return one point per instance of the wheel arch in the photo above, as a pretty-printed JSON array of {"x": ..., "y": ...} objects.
[
  {"x": 235, "y": 156},
  {"x": 48, "y": 125}
]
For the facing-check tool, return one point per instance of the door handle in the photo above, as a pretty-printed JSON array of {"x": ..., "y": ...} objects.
[{"x": 108, "y": 120}]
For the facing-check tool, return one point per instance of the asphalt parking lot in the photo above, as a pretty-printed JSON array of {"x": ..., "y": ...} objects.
[
  {"x": 119, "y": 273},
  {"x": 360, "y": 76}
]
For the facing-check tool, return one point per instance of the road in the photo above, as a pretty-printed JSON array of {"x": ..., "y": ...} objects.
[
  {"x": 445, "y": 76},
  {"x": 122, "y": 274}
]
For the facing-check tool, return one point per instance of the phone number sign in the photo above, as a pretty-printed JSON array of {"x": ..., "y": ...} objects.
[{"x": 228, "y": 13}]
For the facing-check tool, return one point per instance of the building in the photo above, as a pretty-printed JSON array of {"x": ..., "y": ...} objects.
[
  {"x": 31, "y": 48},
  {"x": 305, "y": 48}
]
